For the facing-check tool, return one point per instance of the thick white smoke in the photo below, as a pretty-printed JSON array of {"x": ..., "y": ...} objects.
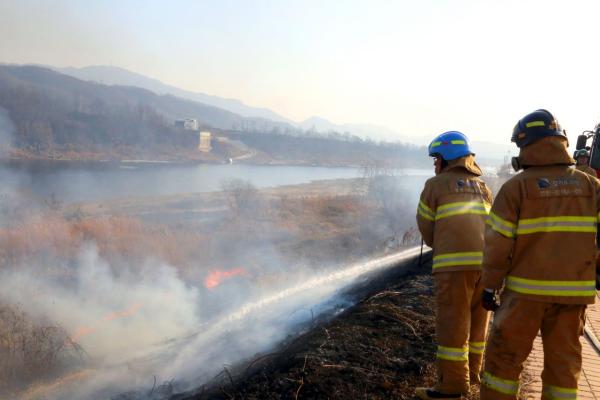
[
  {"x": 144, "y": 323},
  {"x": 137, "y": 327},
  {"x": 112, "y": 316}
]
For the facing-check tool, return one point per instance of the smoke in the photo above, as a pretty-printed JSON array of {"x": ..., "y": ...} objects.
[
  {"x": 141, "y": 321},
  {"x": 109, "y": 315},
  {"x": 115, "y": 314},
  {"x": 149, "y": 324},
  {"x": 259, "y": 324}
]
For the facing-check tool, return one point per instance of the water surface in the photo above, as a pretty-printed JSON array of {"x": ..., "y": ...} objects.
[{"x": 102, "y": 182}]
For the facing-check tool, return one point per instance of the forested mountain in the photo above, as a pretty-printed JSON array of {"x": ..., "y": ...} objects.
[
  {"x": 51, "y": 115},
  {"x": 50, "y": 110}
]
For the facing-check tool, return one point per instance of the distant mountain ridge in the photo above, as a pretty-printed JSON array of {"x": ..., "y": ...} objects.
[
  {"x": 83, "y": 96},
  {"x": 320, "y": 124},
  {"x": 52, "y": 113},
  {"x": 109, "y": 75},
  {"x": 47, "y": 115}
]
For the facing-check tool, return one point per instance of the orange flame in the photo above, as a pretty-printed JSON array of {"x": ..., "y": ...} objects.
[
  {"x": 86, "y": 330},
  {"x": 125, "y": 313},
  {"x": 216, "y": 277},
  {"x": 82, "y": 331}
]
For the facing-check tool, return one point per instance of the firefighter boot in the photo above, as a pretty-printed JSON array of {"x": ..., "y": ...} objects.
[{"x": 429, "y": 393}]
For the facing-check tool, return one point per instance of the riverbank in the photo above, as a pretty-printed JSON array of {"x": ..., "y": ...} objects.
[{"x": 36, "y": 163}]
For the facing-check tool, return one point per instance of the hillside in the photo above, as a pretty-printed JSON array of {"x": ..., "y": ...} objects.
[
  {"x": 48, "y": 115},
  {"x": 53, "y": 113},
  {"x": 110, "y": 75},
  {"x": 334, "y": 149}
]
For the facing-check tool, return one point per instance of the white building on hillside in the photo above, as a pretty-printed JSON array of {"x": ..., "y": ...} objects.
[{"x": 189, "y": 124}]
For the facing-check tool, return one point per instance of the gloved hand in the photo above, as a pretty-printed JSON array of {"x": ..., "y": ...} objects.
[{"x": 489, "y": 300}]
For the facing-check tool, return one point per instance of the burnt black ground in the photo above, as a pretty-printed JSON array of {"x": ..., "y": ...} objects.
[{"x": 380, "y": 348}]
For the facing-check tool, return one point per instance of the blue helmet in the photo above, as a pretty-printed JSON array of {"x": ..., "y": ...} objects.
[{"x": 450, "y": 146}]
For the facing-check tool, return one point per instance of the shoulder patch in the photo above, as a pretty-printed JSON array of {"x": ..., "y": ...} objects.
[
  {"x": 543, "y": 183},
  {"x": 465, "y": 185},
  {"x": 556, "y": 186}
]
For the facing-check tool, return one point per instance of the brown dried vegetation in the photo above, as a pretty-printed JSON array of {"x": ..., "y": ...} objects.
[
  {"x": 315, "y": 229},
  {"x": 29, "y": 350},
  {"x": 379, "y": 349},
  {"x": 56, "y": 238}
]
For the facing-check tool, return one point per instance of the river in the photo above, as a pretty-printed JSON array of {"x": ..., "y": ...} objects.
[{"x": 94, "y": 183}]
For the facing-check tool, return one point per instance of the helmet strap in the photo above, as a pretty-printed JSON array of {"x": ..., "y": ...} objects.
[
  {"x": 516, "y": 164},
  {"x": 441, "y": 166}
]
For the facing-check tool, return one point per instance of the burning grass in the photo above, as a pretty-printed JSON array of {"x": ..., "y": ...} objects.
[
  {"x": 35, "y": 350},
  {"x": 216, "y": 277},
  {"x": 379, "y": 349},
  {"x": 319, "y": 231}
]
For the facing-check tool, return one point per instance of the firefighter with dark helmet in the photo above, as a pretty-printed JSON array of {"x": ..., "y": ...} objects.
[
  {"x": 451, "y": 216},
  {"x": 540, "y": 245},
  {"x": 582, "y": 158}
]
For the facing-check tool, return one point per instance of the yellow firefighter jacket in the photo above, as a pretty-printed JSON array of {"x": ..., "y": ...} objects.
[
  {"x": 451, "y": 216},
  {"x": 541, "y": 236},
  {"x": 587, "y": 169}
]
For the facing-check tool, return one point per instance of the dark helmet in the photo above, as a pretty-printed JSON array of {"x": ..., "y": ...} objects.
[
  {"x": 582, "y": 153},
  {"x": 534, "y": 126}
]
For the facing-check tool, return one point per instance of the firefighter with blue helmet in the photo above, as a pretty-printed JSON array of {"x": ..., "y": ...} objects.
[
  {"x": 451, "y": 216},
  {"x": 540, "y": 247},
  {"x": 450, "y": 146}
]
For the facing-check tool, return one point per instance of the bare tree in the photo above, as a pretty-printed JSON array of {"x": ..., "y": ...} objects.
[
  {"x": 242, "y": 196},
  {"x": 30, "y": 350},
  {"x": 384, "y": 189}
]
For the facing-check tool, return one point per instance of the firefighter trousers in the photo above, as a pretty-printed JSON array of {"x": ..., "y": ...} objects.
[
  {"x": 461, "y": 325},
  {"x": 516, "y": 324}
]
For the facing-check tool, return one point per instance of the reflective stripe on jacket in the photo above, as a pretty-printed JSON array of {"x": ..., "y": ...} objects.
[
  {"x": 451, "y": 216},
  {"x": 541, "y": 233}
]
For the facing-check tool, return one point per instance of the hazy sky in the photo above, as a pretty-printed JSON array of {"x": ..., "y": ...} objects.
[{"x": 418, "y": 67}]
